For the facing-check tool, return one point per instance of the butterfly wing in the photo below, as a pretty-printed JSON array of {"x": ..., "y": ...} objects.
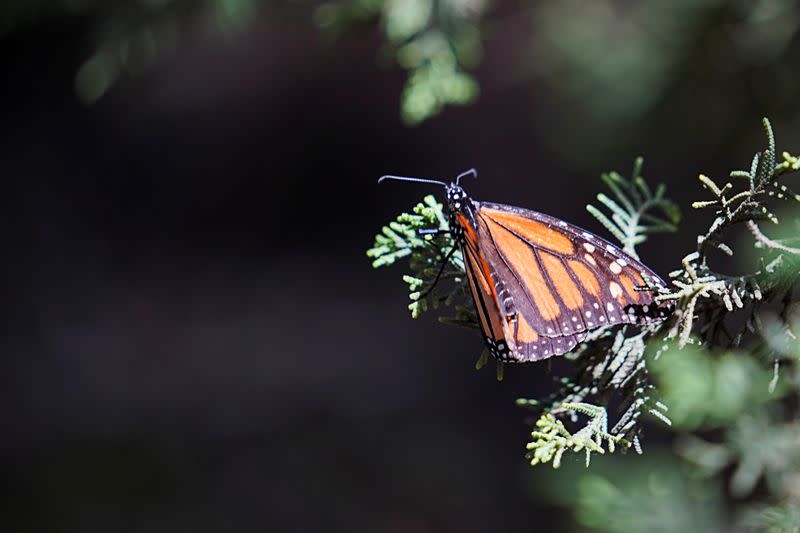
[
  {"x": 485, "y": 299},
  {"x": 551, "y": 282},
  {"x": 507, "y": 333}
]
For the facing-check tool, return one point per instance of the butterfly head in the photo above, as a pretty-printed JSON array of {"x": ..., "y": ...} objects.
[
  {"x": 456, "y": 197},
  {"x": 458, "y": 201}
]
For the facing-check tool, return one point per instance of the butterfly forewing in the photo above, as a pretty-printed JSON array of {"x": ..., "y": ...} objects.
[
  {"x": 485, "y": 300},
  {"x": 549, "y": 282}
]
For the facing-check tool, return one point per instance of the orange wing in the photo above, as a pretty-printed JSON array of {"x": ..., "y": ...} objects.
[
  {"x": 508, "y": 334},
  {"x": 544, "y": 283}
]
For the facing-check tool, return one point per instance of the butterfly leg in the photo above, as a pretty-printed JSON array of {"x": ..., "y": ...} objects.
[
  {"x": 439, "y": 275},
  {"x": 432, "y": 231}
]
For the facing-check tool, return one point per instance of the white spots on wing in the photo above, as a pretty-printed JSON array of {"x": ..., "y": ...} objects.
[
  {"x": 602, "y": 318},
  {"x": 590, "y": 323},
  {"x": 565, "y": 329},
  {"x": 646, "y": 308},
  {"x": 616, "y": 290},
  {"x": 562, "y": 223},
  {"x": 588, "y": 235},
  {"x": 609, "y": 306},
  {"x": 589, "y": 259},
  {"x": 615, "y": 268},
  {"x": 550, "y": 330},
  {"x": 574, "y": 319},
  {"x": 588, "y": 314},
  {"x": 596, "y": 305},
  {"x": 589, "y": 247},
  {"x": 610, "y": 249},
  {"x": 622, "y": 262}
]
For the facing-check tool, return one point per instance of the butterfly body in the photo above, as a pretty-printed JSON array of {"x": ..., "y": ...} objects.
[{"x": 540, "y": 284}]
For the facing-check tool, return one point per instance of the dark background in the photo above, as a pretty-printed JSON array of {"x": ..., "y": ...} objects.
[{"x": 196, "y": 340}]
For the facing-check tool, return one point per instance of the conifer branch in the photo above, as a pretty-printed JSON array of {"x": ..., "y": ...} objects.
[
  {"x": 637, "y": 211},
  {"x": 615, "y": 365}
]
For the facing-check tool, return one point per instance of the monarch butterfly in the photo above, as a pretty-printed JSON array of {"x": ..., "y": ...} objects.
[{"x": 538, "y": 283}]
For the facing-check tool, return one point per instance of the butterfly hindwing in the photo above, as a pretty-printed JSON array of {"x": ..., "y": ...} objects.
[{"x": 508, "y": 334}]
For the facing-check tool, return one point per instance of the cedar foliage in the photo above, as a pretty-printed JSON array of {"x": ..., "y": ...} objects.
[{"x": 725, "y": 360}]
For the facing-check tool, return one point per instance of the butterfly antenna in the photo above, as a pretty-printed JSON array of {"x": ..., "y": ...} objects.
[
  {"x": 406, "y": 178},
  {"x": 467, "y": 173}
]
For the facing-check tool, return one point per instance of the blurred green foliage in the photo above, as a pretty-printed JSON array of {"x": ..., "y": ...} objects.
[
  {"x": 612, "y": 66},
  {"x": 705, "y": 390},
  {"x": 646, "y": 493},
  {"x": 436, "y": 41},
  {"x": 130, "y": 36}
]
